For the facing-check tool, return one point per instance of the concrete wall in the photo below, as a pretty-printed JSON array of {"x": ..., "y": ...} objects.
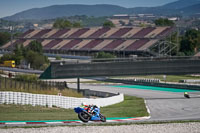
[
  {"x": 167, "y": 67},
  {"x": 53, "y": 100}
]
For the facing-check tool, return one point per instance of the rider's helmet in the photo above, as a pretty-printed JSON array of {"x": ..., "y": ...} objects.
[{"x": 83, "y": 103}]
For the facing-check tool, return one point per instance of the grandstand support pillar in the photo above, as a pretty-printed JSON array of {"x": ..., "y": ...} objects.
[{"x": 78, "y": 84}]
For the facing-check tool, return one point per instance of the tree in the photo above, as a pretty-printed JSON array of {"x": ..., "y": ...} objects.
[
  {"x": 190, "y": 43},
  {"x": 9, "y": 56},
  {"x": 164, "y": 22},
  {"x": 4, "y": 38},
  {"x": 61, "y": 24},
  {"x": 35, "y": 56},
  {"x": 19, "y": 53},
  {"x": 35, "y": 46},
  {"x": 108, "y": 24},
  {"x": 77, "y": 25},
  {"x": 58, "y": 57},
  {"x": 104, "y": 55},
  {"x": 31, "y": 54}
]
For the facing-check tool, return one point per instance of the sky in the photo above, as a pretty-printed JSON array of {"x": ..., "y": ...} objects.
[{"x": 10, "y": 7}]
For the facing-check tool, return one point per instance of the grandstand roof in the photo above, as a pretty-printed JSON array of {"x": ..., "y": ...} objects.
[{"x": 94, "y": 39}]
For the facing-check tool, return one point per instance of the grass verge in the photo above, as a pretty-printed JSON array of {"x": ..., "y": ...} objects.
[
  {"x": 53, "y": 91},
  {"x": 169, "y": 78},
  {"x": 130, "y": 107}
]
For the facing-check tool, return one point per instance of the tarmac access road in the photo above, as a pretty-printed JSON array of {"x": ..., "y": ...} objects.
[{"x": 163, "y": 105}]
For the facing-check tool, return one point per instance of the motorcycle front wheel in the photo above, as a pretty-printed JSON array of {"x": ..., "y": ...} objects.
[
  {"x": 103, "y": 118},
  {"x": 83, "y": 117}
]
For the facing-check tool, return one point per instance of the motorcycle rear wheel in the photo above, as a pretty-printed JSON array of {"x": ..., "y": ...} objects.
[{"x": 83, "y": 117}]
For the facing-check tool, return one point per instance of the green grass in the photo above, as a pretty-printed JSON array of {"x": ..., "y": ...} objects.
[
  {"x": 130, "y": 107},
  {"x": 30, "y": 113},
  {"x": 35, "y": 88},
  {"x": 169, "y": 78}
]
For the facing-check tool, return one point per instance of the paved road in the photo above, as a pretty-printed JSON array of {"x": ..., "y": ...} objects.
[{"x": 163, "y": 105}]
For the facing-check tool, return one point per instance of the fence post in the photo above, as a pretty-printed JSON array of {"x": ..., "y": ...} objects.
[
  {"x": 78, "y": 84},
  {"x": 0, "y": 82},
  {"x": 36, "y": 84},
  {"x": 45, "y": 85},
  {"x": 20, "y": 84},
  {"x": 49, "y": 85},
  {"x": 28, "y": 84},
  {"x": 5, "y": 83},
  {"x": 10, "y": 83},
  {"x": 24, "y": 84},
  {"x": 15, "y": 84}
]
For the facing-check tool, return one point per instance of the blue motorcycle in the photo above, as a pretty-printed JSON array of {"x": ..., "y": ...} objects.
[{"x": 89, "y": 114}]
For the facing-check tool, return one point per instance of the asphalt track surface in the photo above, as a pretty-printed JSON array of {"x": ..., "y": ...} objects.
[{"x": 164, "y": 104}]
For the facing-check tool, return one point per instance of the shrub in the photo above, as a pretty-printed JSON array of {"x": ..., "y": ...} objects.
[{"x": 29, "y": 78}]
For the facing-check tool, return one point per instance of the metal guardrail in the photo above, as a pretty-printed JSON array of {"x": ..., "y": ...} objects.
[
  {"x": 137, "y": 59},
  {"x": 21, "y": 70},
  {"x": 147, "y": 59}
]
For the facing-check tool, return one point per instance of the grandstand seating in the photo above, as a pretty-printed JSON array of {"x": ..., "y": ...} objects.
[
  {"x": 26, "y": 33},
  {"x": 79, "y": 33},
  {"x": 109, "y": 33},
  {"x": 101, "y": 45},
  {"x": 137, "y": 44},
  {"x": 26, "y": 43},
  {"x": 94, "y": 39},
  {"x": 113, "y": 44},
  {"x": 52, "y": 44},
  {"x": 99, "y": 32},
  {"x": 148, "y": 44},
  {"x": 41, "y": 33},
  {"x": 92, "y": 44},
  {"x": 61, "y": 44},
  {"x": 142, "y": 33},
  {"x": 71, "y": 44},
  {"x": 155, "y": 32},
  {"x": 20, "y": 41},
  {"x": 30, "y": 35},
  {"x": 120, "y": 32},
  {"x": 59, "y": 33},
  {"x": 52, "y": 32},
  {"x": 125, "y": 44},
  {"x": 165, "y": 32}
]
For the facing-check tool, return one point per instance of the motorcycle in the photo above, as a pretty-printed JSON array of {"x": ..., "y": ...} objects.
[{"x": 89, "y": 114}]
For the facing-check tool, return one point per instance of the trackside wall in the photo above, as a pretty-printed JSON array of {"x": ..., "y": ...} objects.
[{"x": 53, "y": 100}]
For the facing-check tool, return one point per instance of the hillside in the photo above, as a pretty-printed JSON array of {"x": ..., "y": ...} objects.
[
  {"x": 181, "y": 4},
  {"x": 68, "y": 10},
  {"x": 187, "y": 10},
  {"x": 181, "y": 7}
]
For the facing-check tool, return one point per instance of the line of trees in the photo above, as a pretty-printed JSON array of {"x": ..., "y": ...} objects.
[
  {"x": 164, "y": 22},
  {"x": 190, "y": 42},
  {"x": 63, "y": 23},
  {"x": 32, "y": 54},
  {"x": 4, "y": 38}
]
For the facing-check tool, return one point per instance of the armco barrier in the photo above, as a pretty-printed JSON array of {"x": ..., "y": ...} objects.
[{"x": 53, "y": 100}]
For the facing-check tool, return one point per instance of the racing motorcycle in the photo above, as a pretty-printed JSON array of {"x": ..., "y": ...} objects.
[{"x": 89, "y": 114}]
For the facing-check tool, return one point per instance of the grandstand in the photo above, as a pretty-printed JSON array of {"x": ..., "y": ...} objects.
[{"x": 85, "y": 41}]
